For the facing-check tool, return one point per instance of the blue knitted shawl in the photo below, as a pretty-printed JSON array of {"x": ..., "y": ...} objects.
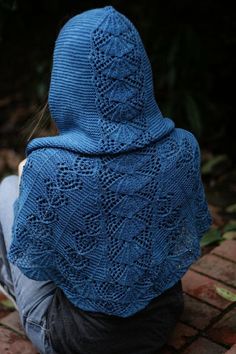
[{"x": 112, "y": 208}]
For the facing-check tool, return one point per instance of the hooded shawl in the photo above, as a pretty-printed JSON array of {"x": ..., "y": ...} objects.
[{"x": 112, "y": 208}]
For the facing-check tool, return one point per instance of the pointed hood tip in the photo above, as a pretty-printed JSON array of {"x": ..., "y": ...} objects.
[
  {"x": 111, "y": 8},
  {"x": 101, "y": 88}
]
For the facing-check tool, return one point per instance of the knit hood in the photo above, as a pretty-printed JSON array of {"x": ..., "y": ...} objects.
[{"x": 101, "y": 91}]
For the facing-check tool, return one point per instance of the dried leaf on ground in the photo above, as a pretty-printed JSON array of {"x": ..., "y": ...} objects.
[
  {"x": 229, "y": 235},
  {"x": 226, "y": 294},
  {"x": 231, "y": 208},
  {"x": 8, "y": 303}
]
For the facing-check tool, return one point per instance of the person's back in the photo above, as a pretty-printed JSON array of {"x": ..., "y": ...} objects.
[{"x": 112, "y": 209}]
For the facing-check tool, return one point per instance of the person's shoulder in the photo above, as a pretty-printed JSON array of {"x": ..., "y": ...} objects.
[
  {"x": 186, "y": 135},
  {"x": 42, "y": 152},
  {"x": 47, "y": 155},
  {"x": 45, "y": 160},
  {"x": 36, "y": 159},
  {"x": 189, "y": 144}
]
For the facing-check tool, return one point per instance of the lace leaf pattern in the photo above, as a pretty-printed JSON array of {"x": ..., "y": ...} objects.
[
  {"x": 118, "y": 80},
  {"x": 114, "y": 232},
  {"x": 38, "y": 233}
]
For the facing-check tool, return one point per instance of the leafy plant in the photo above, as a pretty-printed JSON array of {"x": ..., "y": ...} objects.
[
  {"x": 8, "y": 4},
  {"x": 209, "y": 166},
  {"x": 230, "y": 227},
  {"x": 212, "y": 236}
]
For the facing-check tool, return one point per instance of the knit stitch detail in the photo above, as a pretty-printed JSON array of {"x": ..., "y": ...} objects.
[
  {"x": 118, "y": 75},
  {"x": 112, "y": 232},
  {"x": 118, "y": 80}
]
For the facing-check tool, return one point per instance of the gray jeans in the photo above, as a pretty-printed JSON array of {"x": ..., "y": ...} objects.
[{"x": 33, "y": 298}]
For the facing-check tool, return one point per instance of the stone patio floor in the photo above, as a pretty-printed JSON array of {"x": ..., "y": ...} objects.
[{"x": 208, "y": 324}]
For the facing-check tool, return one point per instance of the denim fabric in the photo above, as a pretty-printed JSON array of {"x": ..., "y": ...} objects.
[
  {"x": 56, "y": 326},
  {"x": 32, "y": 297}
]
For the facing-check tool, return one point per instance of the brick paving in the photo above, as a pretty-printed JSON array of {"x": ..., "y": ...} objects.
[{"x": 207, "y": 326}]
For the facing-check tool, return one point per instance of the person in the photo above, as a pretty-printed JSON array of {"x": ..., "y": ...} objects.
[{"x": 108, "y": 214}]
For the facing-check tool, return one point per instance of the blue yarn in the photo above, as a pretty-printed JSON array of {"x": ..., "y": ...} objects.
[{"x": 111, "y": 209}]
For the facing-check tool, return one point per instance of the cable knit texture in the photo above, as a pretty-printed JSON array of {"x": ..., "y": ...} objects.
[{"x": 111, "y": 209}]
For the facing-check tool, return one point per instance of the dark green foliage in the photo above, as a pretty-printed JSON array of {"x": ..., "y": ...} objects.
[{"x": 190, "y": 46}]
